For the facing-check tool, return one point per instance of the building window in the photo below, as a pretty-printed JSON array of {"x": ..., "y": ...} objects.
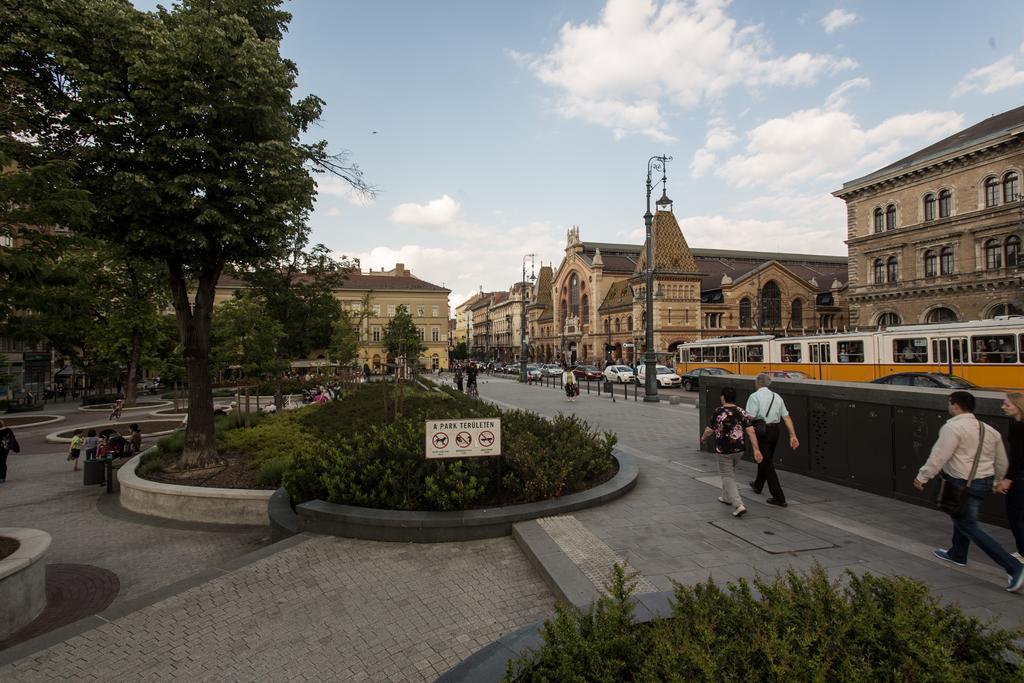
[
  {"x": 879, "y": 271},
  {"x": 890, "y": 217},
  {"x": 616, "y": 324},
  {"x": 879, "y": 225},
  {"x": 931, "y": 261},
  {"x": 433, "y": 311},
  {"x": 629, "y": 323},
  {"x": 1011, "y": 187},
  {"x": 993, "y": 255},
  {"x": 376, "y": 333},
  {"x": 421, "y": 311},
  {"x": 419, "y": 332},
  {"x": 892, "y": 269},
  {"x": 946, "y": 261},
  {"x": 889, "y": 319},
  {"x": 1012, "y": 251},
  {"x": 435, "y": 334},
  {"x": 929, "y": 207},
  {"x": 376, "y": 310},
  {"x": 391, "y": 310},
  {"x": 586, "y": 310},
  {"x": 1007, "y": 309},
  {"x": 771, "y": 305},
  {"x": 945, "y": 203},
  {"x": 797, "y": 318},
  {"x": 745, "y": 318},
  {"x": 991, "y": 192},
  {"x": 827, "y": 322},
  {"x": 574, "y": 295},
  {"x": 941, "y": 315}
]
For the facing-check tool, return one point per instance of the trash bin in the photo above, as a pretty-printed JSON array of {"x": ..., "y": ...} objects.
[{"x": 94, "y": 472}]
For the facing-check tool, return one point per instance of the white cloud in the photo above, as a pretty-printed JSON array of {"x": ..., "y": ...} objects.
[
  {"x": 837, "y": 19},
  {"x": 336, "y": 187},
  {"x": 837, "y": 98},
  {"x": 641, "y": 56},
  {"x": 435, "y": 213},
  {"x": 720, "y": 137},
  {"x": 1005, "y": 73}
]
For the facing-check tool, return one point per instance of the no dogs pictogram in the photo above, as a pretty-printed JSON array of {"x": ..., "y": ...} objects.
[
  {"x": 486, "y": 438},
  {"x": 463, "y": 439},
  {"x": 440, "y": 440}
]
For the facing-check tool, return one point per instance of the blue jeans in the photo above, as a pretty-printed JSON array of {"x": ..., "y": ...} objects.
[{"x": 966, "y": 529}]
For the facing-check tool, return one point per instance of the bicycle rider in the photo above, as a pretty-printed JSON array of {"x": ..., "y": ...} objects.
[{"x": 471, "y": 373}]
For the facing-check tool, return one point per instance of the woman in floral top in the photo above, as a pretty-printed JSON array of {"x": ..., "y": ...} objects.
[{"x": 728, "y": 424}]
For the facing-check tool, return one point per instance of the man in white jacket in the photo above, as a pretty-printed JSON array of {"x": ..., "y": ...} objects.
[{"x": 952, "y": 458}]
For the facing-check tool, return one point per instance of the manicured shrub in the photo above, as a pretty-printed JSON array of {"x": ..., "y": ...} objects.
[
  {"x": 801, "y": 628},
  {"x": 271, "y": 471}
]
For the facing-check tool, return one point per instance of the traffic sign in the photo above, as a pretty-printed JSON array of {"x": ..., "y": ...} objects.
[{"x": 461, "y": 438}]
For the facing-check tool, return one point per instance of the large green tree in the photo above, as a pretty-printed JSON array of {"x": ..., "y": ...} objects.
[
  {"x": 181, "y": 126},
  {"x": 246, "y": 336},
  {"x": 402, "y": 338}
]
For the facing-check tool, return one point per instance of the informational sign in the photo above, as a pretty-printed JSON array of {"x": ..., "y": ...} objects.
[{"x": 458, "y": 438}]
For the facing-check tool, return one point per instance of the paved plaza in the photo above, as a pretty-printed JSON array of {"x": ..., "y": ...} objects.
[{"x": 320, "y": 607}]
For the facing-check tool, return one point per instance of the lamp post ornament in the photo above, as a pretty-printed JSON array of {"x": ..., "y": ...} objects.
[
  {"x": 522, "y": 316},
  {"x": 655, "y": 163}
]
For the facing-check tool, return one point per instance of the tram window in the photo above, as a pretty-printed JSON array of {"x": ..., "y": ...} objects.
[
  {"x": 851, "y": 352},
  {"x": 940, "y": 351},
  {"x": 993, "y": 349},
  {"x": 790, "y": 353},
  {"x": 739, "y": 354},
  {"x": 721, "y": 354},
  {"x": 910, "y": 350},
  {"x": 956, "y": 346},
  {"x": 755, "y": 353}
]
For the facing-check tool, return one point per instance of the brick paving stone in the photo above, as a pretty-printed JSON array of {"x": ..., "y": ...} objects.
[{"x": 592, "y": 555}]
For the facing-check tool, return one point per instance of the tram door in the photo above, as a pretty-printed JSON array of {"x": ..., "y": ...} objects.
[
  {"x": 821, "y": 355},
  {"x": 739, "y": 355},
  {"x": 950, "y": 352}
]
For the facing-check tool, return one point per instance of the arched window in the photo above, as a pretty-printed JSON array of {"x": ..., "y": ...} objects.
[
  {"x": 946, "y": 261},
  {"x": 879, "y": 225},
  {"x": 643, "y": 320},
  {"x": 617, "y": 325},
  {"x": 796, "y": 319},
  {"x": 993, "y": 255},
  {"x": 1006, "y": 309},
  {"x": 929, "y": 207},
  {"x": 879, "y": 273},
  {"x": 574, "y": 295},
  {"x": 945, "y": 204},
  {"x": 629, "y": 323},
  {"x": 888, "y": 319},
  {"x": 1012, "y": 251},
  {"x": 586, "y": 309},
  {"x": 892, "y": 269},
  {"x": 745, "y": 319},
  {"x": 991, "y": 192},
  {"x": 1011, "y": 187},
  {"x": 771, "y": 305},
  {"x": 607, "y": 325},
  {"x": 931, "y": 261},
  {"x": 890, "y": 217},
  {"x": 941, "y": 315},
  {"x": 827, "y": 321}
]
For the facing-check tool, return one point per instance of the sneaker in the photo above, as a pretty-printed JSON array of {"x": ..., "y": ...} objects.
[
  {"x": 723, "y": 501},
  {"x": 1016, "y": 580},
  {"x": 944, "y": 555},
  {"x": 754, "y": 488},
  {"x": 740, "y": 511},
  {"x": 776, "y": 501}
]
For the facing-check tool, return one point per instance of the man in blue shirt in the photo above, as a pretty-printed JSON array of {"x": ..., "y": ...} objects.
[{"x": 766, "y": 405}]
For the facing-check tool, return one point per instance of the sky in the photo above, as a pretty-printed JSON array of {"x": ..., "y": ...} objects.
[{"x": 490, "y": 128}]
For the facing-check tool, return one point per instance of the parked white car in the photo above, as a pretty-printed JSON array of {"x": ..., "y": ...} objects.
[
  {"x": 618, "y": 373},
  {"x": 551, "y": 370},
  {"x": 667, "y": 377}
]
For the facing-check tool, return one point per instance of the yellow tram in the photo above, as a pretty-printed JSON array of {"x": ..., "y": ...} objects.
[{"x": 989, "y": 353}]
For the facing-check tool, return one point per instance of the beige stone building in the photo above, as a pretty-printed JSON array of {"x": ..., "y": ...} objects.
[
  {"x": 375, "y": 296},
  {"x": 936, "y": 236}
]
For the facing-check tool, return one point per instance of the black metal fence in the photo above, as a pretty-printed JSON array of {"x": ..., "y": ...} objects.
[
  {"x": 625, "y": 391},
  {"x": 867, "y": 436}
]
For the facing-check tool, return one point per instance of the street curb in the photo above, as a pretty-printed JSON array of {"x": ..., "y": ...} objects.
[{"x": 561, "y": 574}]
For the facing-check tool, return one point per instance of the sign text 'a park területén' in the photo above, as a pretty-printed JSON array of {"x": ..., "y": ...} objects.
[{"x": 458, "y": 438}]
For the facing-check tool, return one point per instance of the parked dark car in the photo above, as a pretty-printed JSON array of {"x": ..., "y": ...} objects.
[
  {"x": 585, "y": 372},
  {"x": 691, "y": 379},
  {"x": 933, "y": 380},
  {"x": 786, "y": 374}
]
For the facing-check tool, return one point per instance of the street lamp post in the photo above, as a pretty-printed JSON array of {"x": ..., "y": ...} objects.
[
  {"x": 657, "y": 163},
  {"x": 522, "y": 317}
]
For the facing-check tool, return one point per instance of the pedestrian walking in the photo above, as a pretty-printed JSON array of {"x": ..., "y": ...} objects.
[
  {"x": 76, "y": 448},
  {"x": 572, "y": 389},
  {"x": 768, "y": 410},
  {"x": 90, "y": 445},
  {"x": 8, "y": 444},
  {"x": 135, "y": 439},
  {"x": 969, "y": 456},
  {"x": 728, "y": 424},
  {"x": 1013, "y": 483}
]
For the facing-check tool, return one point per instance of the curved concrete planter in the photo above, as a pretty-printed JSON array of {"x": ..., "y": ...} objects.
[
  {"x": 320, "y": 517},
  {"x": 54, "y": 437},
  {"x": 190, "y": 503},
  {"x": 43, "y": 420},
  {"x": 488, "y": 663},
  {"x": 22, "y": 579},
  {"x": 142, "y": 405}
]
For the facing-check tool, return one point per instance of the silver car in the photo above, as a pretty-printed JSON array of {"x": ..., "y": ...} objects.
[
  {"x": 551, "y": 370},
  {"x": 618, "y": 373}
]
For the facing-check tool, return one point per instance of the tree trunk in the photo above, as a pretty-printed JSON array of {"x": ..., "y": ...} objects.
[
  {"x": 194, "y": 321},
  {"x": 133, "y": 368}
]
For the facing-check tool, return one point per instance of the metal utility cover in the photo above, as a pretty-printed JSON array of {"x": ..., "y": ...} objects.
[{"x": 771, "y": 535}]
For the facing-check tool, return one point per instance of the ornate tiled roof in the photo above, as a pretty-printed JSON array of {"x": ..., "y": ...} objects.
[
  {"x": 618, "y": 297},
  {"x": 671, "y": 252},
  {"x": 543, "y": 299}
]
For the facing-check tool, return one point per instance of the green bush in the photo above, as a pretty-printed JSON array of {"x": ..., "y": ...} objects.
[
  {"x": 282, "y": 436},
  {"x": 271, "y": 471},
  {"x": 802, "y": 628}
]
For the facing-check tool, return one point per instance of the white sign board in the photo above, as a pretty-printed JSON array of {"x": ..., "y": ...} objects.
[{"x": 462, "y": 438}]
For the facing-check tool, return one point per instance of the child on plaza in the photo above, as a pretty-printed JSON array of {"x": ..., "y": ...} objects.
[
  {"x": 76, "y": 448},
  {"x": 102, "y": 448},
  {"x": 90, "y": 444}
]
